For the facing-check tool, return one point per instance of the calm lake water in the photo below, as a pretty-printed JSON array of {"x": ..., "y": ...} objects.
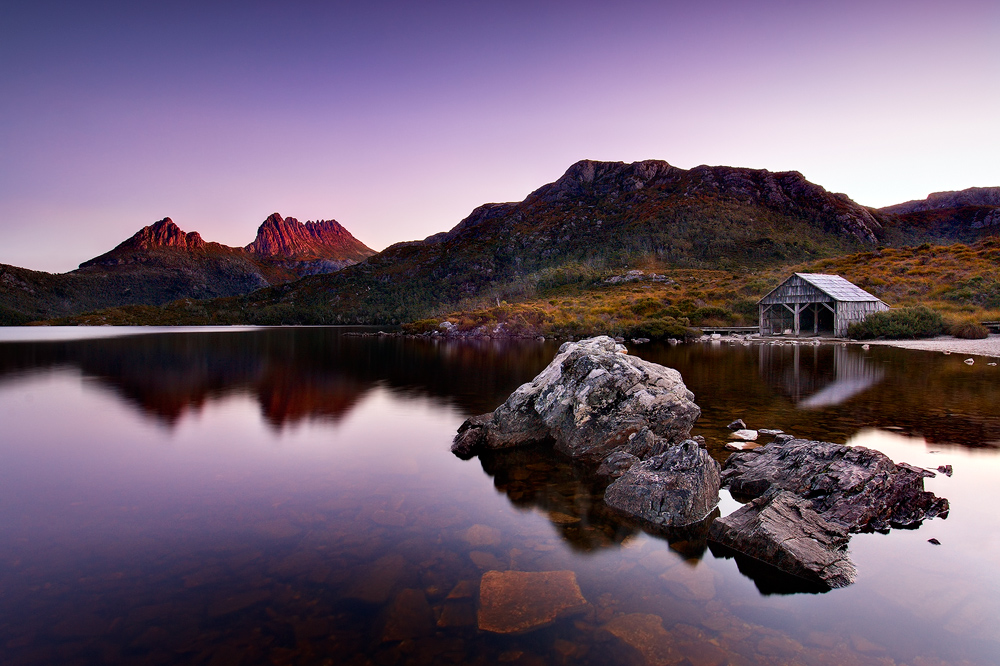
[{"x": 287, "y": 496}]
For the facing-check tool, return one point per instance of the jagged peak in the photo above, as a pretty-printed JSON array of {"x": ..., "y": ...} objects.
[{"x": 288, "y": 238}]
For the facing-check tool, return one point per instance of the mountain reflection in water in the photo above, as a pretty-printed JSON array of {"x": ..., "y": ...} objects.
[{"x": 301, "y": 506}]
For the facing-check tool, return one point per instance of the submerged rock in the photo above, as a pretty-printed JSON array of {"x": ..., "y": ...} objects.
[
  {"x": 677, "y": 487},
  {"x": 779, "y": 528},
  {"x": 588, "y": 401},
  {"x": 515, "y": 602}
]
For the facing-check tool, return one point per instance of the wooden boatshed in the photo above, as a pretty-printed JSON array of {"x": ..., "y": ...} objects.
[{"x": 815, "y": 304}]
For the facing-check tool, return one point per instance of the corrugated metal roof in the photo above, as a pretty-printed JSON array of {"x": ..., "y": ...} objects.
[{"x": 837, "y": 287}]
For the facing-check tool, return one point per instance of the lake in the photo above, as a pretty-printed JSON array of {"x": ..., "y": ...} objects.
[{"x": 287, "y": 496}]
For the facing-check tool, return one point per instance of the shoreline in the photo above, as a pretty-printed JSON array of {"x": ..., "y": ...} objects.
[{"x": 988, "y": 347}]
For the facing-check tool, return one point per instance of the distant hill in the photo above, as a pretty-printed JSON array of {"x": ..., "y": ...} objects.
[
  {"x": 965, "y": 216},
  {"x": 161, "y": 263},
  {"x": 974, "y": 196}
]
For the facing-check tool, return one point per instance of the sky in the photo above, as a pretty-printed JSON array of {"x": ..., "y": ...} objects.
[{"x": 397, "y": 118}]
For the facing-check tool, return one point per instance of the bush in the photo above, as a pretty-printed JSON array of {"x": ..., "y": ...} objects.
[
  {"x": 905, "y": 323},
  {"x": 969, "y": 330},
  {"x": 661, "y": 329}
]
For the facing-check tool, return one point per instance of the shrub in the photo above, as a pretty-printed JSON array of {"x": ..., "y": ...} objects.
[
  {"x": 661, "y": 329},
  {"x": 969, "y": 329},
  {"x": 905, "y": 323}
]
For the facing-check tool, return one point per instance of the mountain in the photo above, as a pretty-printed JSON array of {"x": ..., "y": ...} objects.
[
  {"x": 161, "y": 263},
  {"x": 943, "y": 217},
  {"x": 974, "y": 196},
  {"x": 597, "y": 216},
  {"x": 287, "y": 238}
]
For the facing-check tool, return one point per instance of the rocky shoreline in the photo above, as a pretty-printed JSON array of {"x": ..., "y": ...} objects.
[{"x": 631, "y": 421}]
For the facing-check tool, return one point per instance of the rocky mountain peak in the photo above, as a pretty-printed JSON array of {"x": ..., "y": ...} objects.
[
  {"x": 163, "y": 234},
  {"x": 605, "y": 178},
  {"x": 287, "y": 238}
]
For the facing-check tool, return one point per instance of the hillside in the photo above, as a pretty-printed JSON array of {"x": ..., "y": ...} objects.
[
  {"x": 598, "y": 220},
  {"x": 966, "y": 216},
  {"x": 598, "y": 216},
  {"x": 161, "y": 263}
]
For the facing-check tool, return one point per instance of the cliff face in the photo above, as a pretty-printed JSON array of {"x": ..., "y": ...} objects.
[{"x": 287, "y": 238}]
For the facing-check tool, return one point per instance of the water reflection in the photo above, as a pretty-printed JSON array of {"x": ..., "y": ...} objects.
[
  {"x": 817, "y": 376},
  {"x": 294, "y": 375}
]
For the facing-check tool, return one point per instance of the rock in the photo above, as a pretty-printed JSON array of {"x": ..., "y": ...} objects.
[
  {"x": 616, "y": 464},
  {"x": 677, "y": 487},
  {"x": 409, "y": 616},
  {"x": 470, "y": 435},
  {"x": 780, "y": 529},
  {"x": 745, "y": 435},
  {"x": 644, "y": 444},
  {"x": 945, "y": 469},
  {"x": 481, "y": 535},
  {"x": 515, "y": 602},
  {"x": 770, "y": 432},
  {"x": 742, "y": 446},
  {"x": 695, "y": 583},
  {"x": 588, "y": 401},
  {"x": 738, "y": 424},
  {"x": 645, "y": 634},
  {"x": 969, "y": 361},
  {"x": 857, "y": 487},
  {"x": 934, "y": 541}
]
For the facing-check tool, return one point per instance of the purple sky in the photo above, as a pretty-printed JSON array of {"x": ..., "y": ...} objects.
[{"x": 397, "y": 118}]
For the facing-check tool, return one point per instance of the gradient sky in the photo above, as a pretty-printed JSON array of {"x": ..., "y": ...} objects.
[{"x": 397, "y": 118}]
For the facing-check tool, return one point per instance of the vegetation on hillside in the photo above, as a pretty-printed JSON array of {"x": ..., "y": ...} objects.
[{"x": 960, "y": 282}]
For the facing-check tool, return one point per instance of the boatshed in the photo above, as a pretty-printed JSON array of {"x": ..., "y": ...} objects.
[{"x": 815, "y": 304}]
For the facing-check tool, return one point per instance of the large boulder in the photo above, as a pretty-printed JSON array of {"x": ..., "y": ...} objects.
[
  {"x": 589, "y": 401},
  {"x": 677, "y": 487},
  {"x": 857, "y": 487},
  {"x": 779, "y": 528},
  {"x": 809, "y": 496}
]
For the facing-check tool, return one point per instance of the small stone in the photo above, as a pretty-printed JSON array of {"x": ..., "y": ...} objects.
[
  {"x": 969, "y": 361},
  {"x": 742, "y": 446},
  {"x": 770, "y": 432},
  {"x": 738, "y": 424},
  {"x": 745, "y": 435},
  {"x": 463, "y": 590},
  {"x": 645, "y": 634},
  {"x": 692, "y": 583},
  {"x": 408, "y": 617},
  {"x": 514, "y": 602},
  {"x": 457, "y": 614},
  {"x": 945, "y": 469},
  {"x": 485, "y": 560},
  {"x": 481, "y": 535},
  {"x": 934, "y": 541}
]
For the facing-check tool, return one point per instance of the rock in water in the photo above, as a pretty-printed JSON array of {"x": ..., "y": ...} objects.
[
  {"x": 677, "y": 487},
  {"x": 515, "y": 602},
  {"x": 589, "y": 400},
  {"x": 857, "y": 487},
  {"x": 779, "y": 528},
  {"x": 809, "y": 497}
]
